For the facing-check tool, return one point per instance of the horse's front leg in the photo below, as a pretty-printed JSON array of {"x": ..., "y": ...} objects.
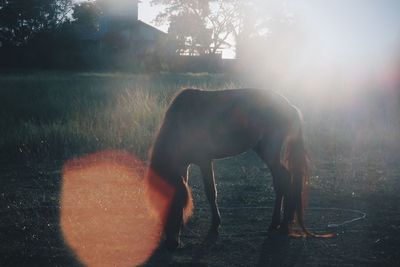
[
  {"x": 277, "y": 212},
  {"x": 175, "y": 220},
  {"x": 174, "y": 224},
  {"x": 211, "y": 193}
]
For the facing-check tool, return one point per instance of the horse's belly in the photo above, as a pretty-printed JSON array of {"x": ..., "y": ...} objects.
[
  {"x": 233, "y": 146},
  {"x": 217, "y": 145}
]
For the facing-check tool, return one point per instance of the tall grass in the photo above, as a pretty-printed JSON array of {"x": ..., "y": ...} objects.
[
  {"x": 49, "y": 116},
  {"x": 57, "y": 115}
]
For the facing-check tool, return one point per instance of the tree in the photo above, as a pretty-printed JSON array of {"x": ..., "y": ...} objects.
[
  {"x": 187, "y": 25},
  {"x": 87, "y": 14},
  {"x": 226, "y": 21},
  {"x": 190, "y": 35},
  {"x": 225, "y": 24},
  {"x": 21, "y": 19},
  {"x": 199, "y": 8},
  {"x": 200, "y": 26}
]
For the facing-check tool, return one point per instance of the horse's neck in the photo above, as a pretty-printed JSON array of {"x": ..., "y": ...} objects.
[
  {"x": 164, "y": 152},
  {"x": 165, "y": 165}
]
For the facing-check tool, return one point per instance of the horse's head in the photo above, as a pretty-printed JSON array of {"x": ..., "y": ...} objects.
[{"x": 159, "y": 194}]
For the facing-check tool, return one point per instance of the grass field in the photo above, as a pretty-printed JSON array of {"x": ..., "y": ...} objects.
[
  {"x": 57, "y": 115},
  {"x": 54, "y": 116},
  {"x": 49, "y": 117}
]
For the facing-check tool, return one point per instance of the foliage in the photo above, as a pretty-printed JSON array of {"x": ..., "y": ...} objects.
[
  {"x": 20, "y": 20},
  {"x": 58, "y": 114},
  {"x": 199, "y": 8},
  {"x": 54, "y": 114},
  {"x": 87, "y": 14},
  {"x": 200, "y": 26},
  {"x": 208, "y": 26},
  {"x": 74, "y": 40},
  {"x": 190, "y": 34}
]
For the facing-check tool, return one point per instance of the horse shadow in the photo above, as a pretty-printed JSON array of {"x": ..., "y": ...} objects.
[
  {"x": 197, "y": 252},
  {"x": 284, "y": 250},
  {"x": 274, "y": 250}
]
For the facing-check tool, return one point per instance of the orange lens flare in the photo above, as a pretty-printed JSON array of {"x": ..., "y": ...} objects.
[
  {"x": 158, "y": 195},
  {"x": 105, "y": 218}
]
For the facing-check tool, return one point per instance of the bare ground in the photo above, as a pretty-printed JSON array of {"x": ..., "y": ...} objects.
[{"x": 30, "y": 234}]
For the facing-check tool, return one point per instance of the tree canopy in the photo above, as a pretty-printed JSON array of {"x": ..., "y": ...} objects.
[
  {"x": 87, "y": 14},
  {"x": 21, "y": 19},
  {"x": 199, "y": 26},
  {"x": 209, "y": 26}
]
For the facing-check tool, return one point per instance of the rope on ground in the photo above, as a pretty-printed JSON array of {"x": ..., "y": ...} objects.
[{"x": 361, "y": 215}]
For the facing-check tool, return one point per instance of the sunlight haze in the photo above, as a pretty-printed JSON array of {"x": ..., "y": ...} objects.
[{"x": 337, "y": 31}]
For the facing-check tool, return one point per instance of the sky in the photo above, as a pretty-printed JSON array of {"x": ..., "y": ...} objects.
[
  {"x": 349, "y": 28},
  {"x": 147, "y": 13},
  {"x": 336, "y": 31},
  {"x": 358, "y": 29}
]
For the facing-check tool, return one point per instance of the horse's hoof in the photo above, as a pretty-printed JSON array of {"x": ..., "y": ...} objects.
[
  {"x": 273, "y": 227},
  {"x": 213, "y": 232},
  {"x": 284, "y": 229},
  {"x": 212, "y": 236}
]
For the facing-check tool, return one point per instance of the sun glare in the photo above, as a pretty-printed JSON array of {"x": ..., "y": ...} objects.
[{"x": 104, "y": 215}]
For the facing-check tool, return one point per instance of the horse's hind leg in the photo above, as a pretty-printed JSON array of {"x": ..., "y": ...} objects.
[
  {"x": 211, "y": 193},
  {"x": 269, "y": 151},
  {"x": 278, "y": 179}
]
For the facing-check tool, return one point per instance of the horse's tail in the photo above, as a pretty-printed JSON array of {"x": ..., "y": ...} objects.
[
  {"x": 297, "y": 161},
  {"x": 161, "y": 195}
]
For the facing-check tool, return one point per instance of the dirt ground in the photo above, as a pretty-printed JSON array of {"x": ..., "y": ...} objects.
[{"x": 30, "y": 234}]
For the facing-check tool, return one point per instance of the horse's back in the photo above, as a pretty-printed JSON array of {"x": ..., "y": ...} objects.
[
  {"x": 208, "y": 106},
  {"x": 223, "y": 123}
]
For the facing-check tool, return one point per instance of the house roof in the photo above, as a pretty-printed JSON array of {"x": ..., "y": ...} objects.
[
  {"x": 152, "y": 28},
  {"x": 147, "y": 32},
  {"x": 142, "y": 31}
]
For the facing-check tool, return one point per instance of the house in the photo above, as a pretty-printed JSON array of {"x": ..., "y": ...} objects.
[
  {"x": 120, "y": 31},
  {"x": 122, "y": 40}
]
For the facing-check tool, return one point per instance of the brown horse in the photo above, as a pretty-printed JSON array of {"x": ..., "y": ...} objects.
[{"x": 200, "y": 126}]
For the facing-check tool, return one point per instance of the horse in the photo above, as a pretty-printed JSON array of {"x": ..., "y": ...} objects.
[{"x": 200, "y": 126}]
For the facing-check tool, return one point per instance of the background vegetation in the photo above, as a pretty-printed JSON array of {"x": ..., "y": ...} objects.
[
  {"x": 58, "y": 115},
  {"x": 51, "y": 116}
]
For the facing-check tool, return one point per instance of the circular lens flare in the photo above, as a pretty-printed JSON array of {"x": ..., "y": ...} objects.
[{"x": 105, "y": 218}]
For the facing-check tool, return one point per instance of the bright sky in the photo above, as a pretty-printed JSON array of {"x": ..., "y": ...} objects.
[
  {"x": 355, "y": 28},
  {"x": 147, "y": 13},
  {"x": 359, "y": 29}
]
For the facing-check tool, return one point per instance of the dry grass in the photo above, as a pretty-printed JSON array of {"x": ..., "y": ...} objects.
[
  {"x": 58, "y": 115},
  {"x": 48, "y": 116}
]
